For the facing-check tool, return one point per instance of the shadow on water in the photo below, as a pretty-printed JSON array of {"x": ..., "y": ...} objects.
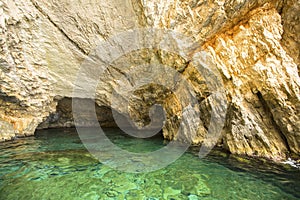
[{"x": 283, "y": 176}]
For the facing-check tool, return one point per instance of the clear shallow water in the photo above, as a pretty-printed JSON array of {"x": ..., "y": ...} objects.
[{"x": 55, "y": 165}]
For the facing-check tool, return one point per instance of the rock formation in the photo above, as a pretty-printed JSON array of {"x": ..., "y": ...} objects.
[{"x": 253, "y": 44}]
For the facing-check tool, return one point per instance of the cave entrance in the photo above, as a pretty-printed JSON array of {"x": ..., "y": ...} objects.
[{"x": 63, "y": 117}]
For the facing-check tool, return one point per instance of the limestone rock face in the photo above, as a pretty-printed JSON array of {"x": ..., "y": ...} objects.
[
  {"x": 25, "y": 91},
  {"x": 263, "y": 108},
  {"x": 291, "y": 26},
  {"x": 253, "y": 45}
]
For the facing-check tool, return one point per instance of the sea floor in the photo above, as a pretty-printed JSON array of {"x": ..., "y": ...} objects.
[{"x": 55, "y": 165}]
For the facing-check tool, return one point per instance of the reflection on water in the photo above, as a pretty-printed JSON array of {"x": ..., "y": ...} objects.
[{"x": 55, "y": 165}]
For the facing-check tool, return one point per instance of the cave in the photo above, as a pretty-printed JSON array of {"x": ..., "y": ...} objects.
[
  {"x": 63, "y": 116},
  {"x": 163, "y": 67}
]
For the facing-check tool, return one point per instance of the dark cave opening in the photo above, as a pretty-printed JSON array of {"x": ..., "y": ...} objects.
[
  {"x": 106, "y": 117},
  {"x": 63, "y": 116}
]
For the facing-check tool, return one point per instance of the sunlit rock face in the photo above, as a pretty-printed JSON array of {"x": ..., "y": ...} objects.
[
  {"x": 291, "y": 26},
  {"x": 254, "y": 45}
]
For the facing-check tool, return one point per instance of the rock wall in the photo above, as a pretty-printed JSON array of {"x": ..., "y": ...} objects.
[
  {"x": 290, "y": 21},
  {"x": 26, "y": 87},
  {"x": 264, "y": 110},
  {"x": 253, "y": 44}
]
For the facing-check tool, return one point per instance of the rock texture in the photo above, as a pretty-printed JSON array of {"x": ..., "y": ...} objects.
[
  {"x": 25, "y": 91},
  {"x": 253, "y": 44},
  {"x": 291, "y": 27},
  {"x": 264, "y": 110}
]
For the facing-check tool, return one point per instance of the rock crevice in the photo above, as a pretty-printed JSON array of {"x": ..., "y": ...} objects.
[{"x": 36, "y": 5}]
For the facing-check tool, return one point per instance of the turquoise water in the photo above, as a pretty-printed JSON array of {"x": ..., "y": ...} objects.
[{"x": 55, "y": 165}]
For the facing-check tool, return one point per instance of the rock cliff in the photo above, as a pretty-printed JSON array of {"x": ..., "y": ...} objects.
[{"x": 254, "y": 45}]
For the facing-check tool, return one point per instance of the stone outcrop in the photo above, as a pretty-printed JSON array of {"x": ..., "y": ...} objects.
[
  {"x": 270, "y": 106},
  {"x": 26, "y": 87},
  {"x": 253, "y": 44},
  {"x": 291, "y": 37}
]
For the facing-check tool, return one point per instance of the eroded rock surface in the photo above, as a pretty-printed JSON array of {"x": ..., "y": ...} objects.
[
  {"x": 26, "y": 95},
  {"x": 253, "y": 44},
  {"x": 291, "y": 26}
]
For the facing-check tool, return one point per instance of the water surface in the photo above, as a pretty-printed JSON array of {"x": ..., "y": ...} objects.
[{"x": 55, "y": 165}]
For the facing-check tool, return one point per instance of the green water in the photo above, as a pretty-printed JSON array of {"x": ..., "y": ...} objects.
[{"x": 55, "y": 165}]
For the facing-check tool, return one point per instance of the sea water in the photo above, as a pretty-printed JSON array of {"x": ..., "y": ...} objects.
[{"x": 54, "y": 164}]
